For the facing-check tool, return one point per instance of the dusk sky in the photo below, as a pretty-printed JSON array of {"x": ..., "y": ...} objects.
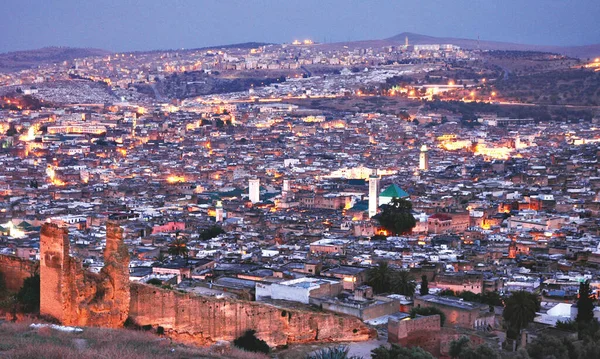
[{"x": 121, "y": 25}]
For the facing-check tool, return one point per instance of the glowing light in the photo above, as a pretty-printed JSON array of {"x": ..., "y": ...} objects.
[
  {"x": 14, "y": 231},
  {"x": 51, "y": 173},
  {"x": 175, "y": 179}
]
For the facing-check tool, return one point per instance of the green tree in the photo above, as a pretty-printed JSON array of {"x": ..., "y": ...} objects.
[
  {"x": 519, "y": 311},
  {"x": 249, "y": 342},
  {"x": 462, "y": 349},
  {"x": 211, "y": 233},
  {"x": 546, "y": 346},
  {"x": 427, "y": 311},
  {"x": 424, "y": 285},
  {"x": 585, "y": 304},
  {"x": 29, "y": 294},
  {"x": 457, "y": 346},
  {"x": 338, "y": 352},
  {"x": 378, "y": 277},
  {"x": 397, "y": 352},
  {"x": 401, "y": 282},
  {"x": 396, "y": 217},
  {"x": 178, "y": 248}
]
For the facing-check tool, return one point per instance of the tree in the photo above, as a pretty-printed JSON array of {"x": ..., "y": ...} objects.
[
  {"x": 249, "y": 342},
  {"x": 424, "y": 285},
  {"x": 397, "y": 352},
  {"x": 396, "y": 217},
  {"x": 378, "y": 277},
  {"x": 519, "y": 311},
  {"x": 546, "y": 346},
  {"x": 178, "y": 248},
  {"x": 457, "y": 346},
  {"x": 427, "y": 311},
  {"x": 29, "y": 294},
  {"x": 585, "y": 304},
  {"x": 211, "y": 233},
  {"x": 462, "y": 349},
  {"x": 401, "y": 282},
  {"x": 339, "y": 352}
]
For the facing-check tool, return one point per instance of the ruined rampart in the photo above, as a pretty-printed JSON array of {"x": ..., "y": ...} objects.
[
  {"x": 15, "y": 270},
  {"x": 205, "y": 320},
  {"x": 75, "y": 296}
]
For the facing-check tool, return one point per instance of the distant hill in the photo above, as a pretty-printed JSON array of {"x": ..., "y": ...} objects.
[
  {"x": 21, "y": 60},
  {"x": 575, "y": 51},
  {"x": 587, "y": 51}
]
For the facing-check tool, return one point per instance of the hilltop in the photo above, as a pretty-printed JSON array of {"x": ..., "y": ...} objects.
[
  {"x": 587, "y": 51},
  {"x": 27, "y": 59}
]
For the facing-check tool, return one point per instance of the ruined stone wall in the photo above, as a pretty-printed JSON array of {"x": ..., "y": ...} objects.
[
  {"x": 402, "y": 329},
  {"x": 76, "y": 297},
  {"x": 15, "y": 270},
  {"x": 205, "y": 320}
]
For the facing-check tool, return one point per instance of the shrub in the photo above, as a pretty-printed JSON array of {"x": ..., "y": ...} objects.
[
  {"x": 154, "y": 281},
  {"x": 29, "y": 294},
  {"x": 249, "y": 342},
  {"x": 339, "y": 352}
]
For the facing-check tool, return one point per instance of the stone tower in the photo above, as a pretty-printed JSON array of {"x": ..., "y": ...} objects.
[
  {"x": 74, "y": 296},
  {"x": 54, "y": 271},
  {"x": 373, "y": 194}
]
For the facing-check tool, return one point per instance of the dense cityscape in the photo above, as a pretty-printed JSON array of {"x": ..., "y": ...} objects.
[{"x": 394, "y": 199}]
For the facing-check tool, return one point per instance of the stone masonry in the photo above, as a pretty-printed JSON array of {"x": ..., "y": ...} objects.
[{"x": 75, "y": 296}]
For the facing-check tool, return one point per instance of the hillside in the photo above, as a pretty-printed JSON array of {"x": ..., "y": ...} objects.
[
  {"x": 20, "y": 341},
  {"x": 21, "y": 60},
  {"x": 575, "y": 51},
  {"x": 584, "y": 52}
]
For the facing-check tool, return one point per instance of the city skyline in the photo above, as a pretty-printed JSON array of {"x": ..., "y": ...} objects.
[{"x": 152, "y": 25}]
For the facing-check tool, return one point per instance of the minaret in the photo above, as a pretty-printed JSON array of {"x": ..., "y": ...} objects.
[
  {"x": 406, "y": 42},
  {"x": 254, "y": 190},
  {"x": 219, "y": 212},
  {"x": 133, "y": 125},
  {"x": 424, "y": 159},
  {"x": 373, "y": 194},
  {"x": 286, "y": 188}
]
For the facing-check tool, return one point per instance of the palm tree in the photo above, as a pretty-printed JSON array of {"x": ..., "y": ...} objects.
[
  {"x": 403, "y": 283},
  {"x": 178, "y": 248},
  {"x": 519, "y": 310},
  {"x": 378, "y": 277}
]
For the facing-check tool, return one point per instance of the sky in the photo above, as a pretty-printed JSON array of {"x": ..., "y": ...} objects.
[{"x": 133, "y": 25}]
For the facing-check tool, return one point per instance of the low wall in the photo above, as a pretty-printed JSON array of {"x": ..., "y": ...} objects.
[
  {"x": 205, "y": 320},
  {"x": 15, "y": 270}
]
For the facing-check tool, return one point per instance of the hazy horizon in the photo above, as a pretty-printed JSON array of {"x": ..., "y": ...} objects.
[{"x": 138, "y": 25}]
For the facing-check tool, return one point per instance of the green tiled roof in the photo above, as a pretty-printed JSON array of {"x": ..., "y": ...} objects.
[{"x": 394, "y": 191}]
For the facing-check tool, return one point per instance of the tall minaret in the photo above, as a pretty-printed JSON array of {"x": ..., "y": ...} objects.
[
  {"x": 373, "y": 194},
  {"x": 219, "y": 212},
  {"x": 406, "y": 42},
  {"x": 424, "y": 159},
  {"x": 254, "y": 190},
  {"x": 286, "y": 188}
]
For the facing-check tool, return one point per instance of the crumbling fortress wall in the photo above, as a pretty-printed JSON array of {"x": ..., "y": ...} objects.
[
  {"x": 205, "y": 320},
  {"x": 75, "y": 296},
  {"x": 15, "y": 270}
]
